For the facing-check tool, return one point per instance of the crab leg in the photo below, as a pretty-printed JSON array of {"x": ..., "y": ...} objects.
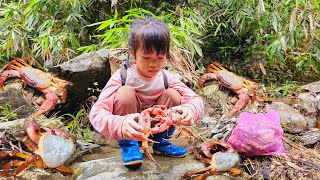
[
  {"x": 201, "y": 170},
  {"x": 32, "y": 161},
  {"x": 147, "y": 152},
  {"x": 10, "y": 164},
  {"x": 13, "y": 153},
  {"x": 235, "y": 171},
  {"x": 60, "y": 81},
  {"x": 15, "y": 162},
  {"x": 251, "y": 83},
  {"x": 205, "y": 175},
  {"x": 213, "y": 70},
  {"x": 65, "y": 169},
  {"x": 15, "y": 63},
  {"x": 182, "y": 131},
  {"x": 4, "y": 67},
  {"x": 145, "y": 121},
  {"x": 216, "y": 66},
  {"x": 20, "y": 60}
]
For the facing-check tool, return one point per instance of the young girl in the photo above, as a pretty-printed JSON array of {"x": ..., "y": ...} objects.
[{"x": 118, "y": 108}]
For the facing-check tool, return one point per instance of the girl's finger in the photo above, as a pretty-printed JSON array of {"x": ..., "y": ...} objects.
[
  {"x": 184, "y": 113},
  {"x": 181, "y": 110},
  {"x": 178, "y": 109},
  {"x": 135, "y": 134},
  {"x": 186, "y": 121},
  {"x": 127, "y": 135},
  {"x": 136, "y": 126}
]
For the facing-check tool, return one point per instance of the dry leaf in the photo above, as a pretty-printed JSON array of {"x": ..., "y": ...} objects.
[{"x": 263, "y": 70}]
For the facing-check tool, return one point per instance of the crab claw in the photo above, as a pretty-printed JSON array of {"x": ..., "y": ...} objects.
[
  {"x": 6, "y": 74},
  {"x": 56, "y": 132},
  {"x": 31, "y": 127},
  {"x": 205, "y": 77},
  {"x": 48, "y": 104},
  {"x": 240, "y": 104}
]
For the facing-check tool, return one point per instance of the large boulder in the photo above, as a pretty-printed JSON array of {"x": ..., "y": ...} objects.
[{"x": 87, "y": 71}]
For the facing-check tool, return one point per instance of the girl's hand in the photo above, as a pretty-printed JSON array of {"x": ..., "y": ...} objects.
[
  {"x": 131, "y": 130},
  {"x": 186, "y": 115}
]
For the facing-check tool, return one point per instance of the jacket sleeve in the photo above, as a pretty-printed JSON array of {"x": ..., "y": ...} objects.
[
  {"x": 101, "y": 116},
  {"x": 188, "y": 97}
]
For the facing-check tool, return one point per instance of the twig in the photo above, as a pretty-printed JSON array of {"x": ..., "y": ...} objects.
[{"x": 303, "y": 149}]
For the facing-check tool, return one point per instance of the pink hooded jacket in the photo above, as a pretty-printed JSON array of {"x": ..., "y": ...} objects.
[{"x": 147, "y": 89}]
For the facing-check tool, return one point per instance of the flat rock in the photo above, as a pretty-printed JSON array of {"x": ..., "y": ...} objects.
[
  {"x": 112, "y": 168},
  {"x": 108, "y": 165},
  {"x": 313, "y": 87}
]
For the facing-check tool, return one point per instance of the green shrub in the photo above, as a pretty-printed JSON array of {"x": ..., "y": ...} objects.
[
  {"x": 6, "y": 113},
  {"x": 282, "y": 35}
]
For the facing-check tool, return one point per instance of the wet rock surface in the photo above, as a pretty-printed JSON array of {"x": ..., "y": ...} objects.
[{"x": 106, "y": 163}]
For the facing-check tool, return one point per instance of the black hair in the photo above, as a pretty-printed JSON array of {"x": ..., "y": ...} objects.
[{"x": 149, "y": 33}]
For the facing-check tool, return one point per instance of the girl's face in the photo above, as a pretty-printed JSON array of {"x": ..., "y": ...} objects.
[{"x": 149, "y": 64}]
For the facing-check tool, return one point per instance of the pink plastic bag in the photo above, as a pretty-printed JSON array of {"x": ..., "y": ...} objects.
[{"x": 258, "y": 134}]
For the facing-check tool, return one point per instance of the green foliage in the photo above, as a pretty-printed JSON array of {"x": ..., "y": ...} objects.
[
  {"x": 44, "y": 29},
  {"x": 283, "y": 35},
  {"x": 56, "y": 31},
  {"x": 79, "y": 126},
  {"x": 95, "y": 89},
  {"x": 185, "y": 30},
  {"x": 289, "y": 88},
  {"x": 6, "y": 113}
]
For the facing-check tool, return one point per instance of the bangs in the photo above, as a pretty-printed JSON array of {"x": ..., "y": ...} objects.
[{"x": 151, "y": 37}]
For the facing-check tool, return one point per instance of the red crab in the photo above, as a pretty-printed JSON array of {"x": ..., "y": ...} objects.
[
  {"x": 158, "y": 119},
  {"x": 50, "y": 149},
  {"x": 231, "y": 81},
  {"x": 40, "y": 80},
  {"x": 209, "y": 153}
]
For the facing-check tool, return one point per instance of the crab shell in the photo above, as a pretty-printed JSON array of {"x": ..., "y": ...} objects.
[
  {"x": 230, "y": 80},
  {"x": 54, "y": 150},
  {"x": 35, "y": 78},
  {"x": 223, "y": 161}
]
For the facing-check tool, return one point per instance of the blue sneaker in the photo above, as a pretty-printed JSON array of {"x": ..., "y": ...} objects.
[
  {"x": 131, "y": 155},
  {"x": 165, "y": 147}
]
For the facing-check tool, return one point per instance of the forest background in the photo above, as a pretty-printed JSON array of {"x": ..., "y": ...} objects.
[{"x": 275, "y": 42}]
